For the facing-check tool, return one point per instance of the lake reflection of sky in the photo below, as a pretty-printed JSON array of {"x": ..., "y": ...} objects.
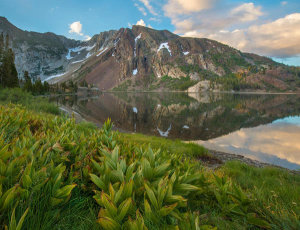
[
  {"x": 277, "y": 143},
  {"x": 289, "y": 120},
  {"x": 262, "y": 127}
]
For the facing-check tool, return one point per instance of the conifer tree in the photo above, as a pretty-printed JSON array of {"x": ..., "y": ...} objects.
[
  {"x": 8, "y": 71},
  {"x": 28, "y": 84},
  {"x": 38, "y": 86}
]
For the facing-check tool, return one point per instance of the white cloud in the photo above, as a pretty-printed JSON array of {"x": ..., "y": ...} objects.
[
  {"x": 216, "y": 19},
  {"x": 247, "y": 12},
  {"x": 179, "y": 7},
  {"x": 279, "y": 38},
  {"x": 141, "y": 23},
  {"x": 283, "y": 3},
  {"x": 148, "y": 6},
  {"x": 141, "y": 9},
  {"x": 240, "y": 26},
  {"x": 76, "y": 28}
]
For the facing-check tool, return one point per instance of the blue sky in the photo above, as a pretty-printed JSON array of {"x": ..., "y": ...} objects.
[{"x": 270, "y": 28}]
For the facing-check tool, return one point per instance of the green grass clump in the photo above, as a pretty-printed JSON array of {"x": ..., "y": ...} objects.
[
  {"x": 56, "y": 174},
  {"x": 276, "y": 192},
  {"x": 18, "y": 96},
  {"x": 167, "y": 145}
]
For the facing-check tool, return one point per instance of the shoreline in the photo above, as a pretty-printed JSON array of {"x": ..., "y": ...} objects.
[
  {"x": 219, "y": 159},
  {"x": 225, "y": 156}
]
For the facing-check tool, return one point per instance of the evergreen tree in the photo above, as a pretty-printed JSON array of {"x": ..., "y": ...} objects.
[
  {"x": 1, "y": 58},
  {"x": 38, "y": 86},
  {"x": 1, "y": 43},
  {"x": 46, "y": 87},
  {"x": 28, "y": 84},
  {"x": 9, "y": 71}
]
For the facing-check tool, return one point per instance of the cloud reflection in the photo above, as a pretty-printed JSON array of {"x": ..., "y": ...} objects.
[{"x": 277, "y": 143}]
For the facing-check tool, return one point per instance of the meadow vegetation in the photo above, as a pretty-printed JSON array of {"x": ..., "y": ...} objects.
[{"x": 57, "y": 174}]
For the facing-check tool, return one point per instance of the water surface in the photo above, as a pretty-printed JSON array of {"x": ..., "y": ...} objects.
[{"x": 261, "y": 127}]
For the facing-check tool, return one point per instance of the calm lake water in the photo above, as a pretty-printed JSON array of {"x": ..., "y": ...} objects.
[{"x": 261, "y": 127}]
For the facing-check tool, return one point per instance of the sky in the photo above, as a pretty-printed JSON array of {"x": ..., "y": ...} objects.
[{"x": 267, "y": 27}]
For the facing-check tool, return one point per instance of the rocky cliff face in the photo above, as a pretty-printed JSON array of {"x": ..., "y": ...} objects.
[
  {"x": 47, "y": 55},
  {"x": 139, "y": 58}
]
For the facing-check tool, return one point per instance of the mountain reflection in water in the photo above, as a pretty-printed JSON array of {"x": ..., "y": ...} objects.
[{"x": 219, "y": 119}]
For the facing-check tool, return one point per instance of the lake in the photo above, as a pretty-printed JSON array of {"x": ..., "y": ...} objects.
[{"x": 264, "y": 127}]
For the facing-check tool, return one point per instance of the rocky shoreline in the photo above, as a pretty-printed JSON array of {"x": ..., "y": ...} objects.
[{"x": 223, "y": 157}]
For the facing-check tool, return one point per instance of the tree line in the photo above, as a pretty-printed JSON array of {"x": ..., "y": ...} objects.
[{"x": 9, "y": 75}]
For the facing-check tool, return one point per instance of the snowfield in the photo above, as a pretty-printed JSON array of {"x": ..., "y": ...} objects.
[
  {"x": 78, "y": 50},
  {"x": 164, "y": 45}
]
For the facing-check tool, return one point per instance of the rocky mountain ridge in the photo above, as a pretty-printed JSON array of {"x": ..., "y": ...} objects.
[{"x": 144, "y": 59}]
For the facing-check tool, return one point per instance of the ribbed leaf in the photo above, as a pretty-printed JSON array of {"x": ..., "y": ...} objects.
[
  {"x": 119, "y": 193},
  {"x": 108, "y": 204},
  {"x": 151, "y": 196},
  {"x": 97, "y": 166},
  {"x": 64, "y": 191},
  {"x": 164, "y": 211},
  {"x": 128, "y": 188},
  {"x": 147, "y": 207},
  {"x": 115, "y": 154},
  {"x": 97, "y": 181},
  {"x": 161, "y": 169},
  {"x": 123, "y": 209},
  {"x": 186, "y": 188},
  {"x": 108, "y": 223},
  {"x": 146, "y": 169},
  {"x": 129, "y": 172},
  {"x": 111, "y": 191}
]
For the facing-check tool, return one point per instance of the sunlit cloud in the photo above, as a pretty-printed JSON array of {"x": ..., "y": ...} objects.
[
  {"x": 141, "y": 9},
  {"x": 246, "y": 12},
  {"x": 76, "y": 28},
  {"x": 240, "y": 26},
  {"x": 179, "y": 7},
  {"x": 149, "y": 6},
  {"x": 141, "y": 22},
  {"x": 279, "y": 38}
]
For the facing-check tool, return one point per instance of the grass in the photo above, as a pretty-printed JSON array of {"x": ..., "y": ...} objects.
[
  {"x": 18, "y": 96},
  {"x": 75, "y": 176},
  {"x": 167, "y": 145},
  {"x": 276, "y": 192}
]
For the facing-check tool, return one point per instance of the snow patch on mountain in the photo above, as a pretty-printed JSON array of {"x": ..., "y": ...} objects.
[
  {"x": 78, "y": 50},
  {"x": 101, "y": 51},
  {"x": 54, "y": 76},
  {"x": 136, "y": 40},
  {"x": 164, "y": 45}
]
